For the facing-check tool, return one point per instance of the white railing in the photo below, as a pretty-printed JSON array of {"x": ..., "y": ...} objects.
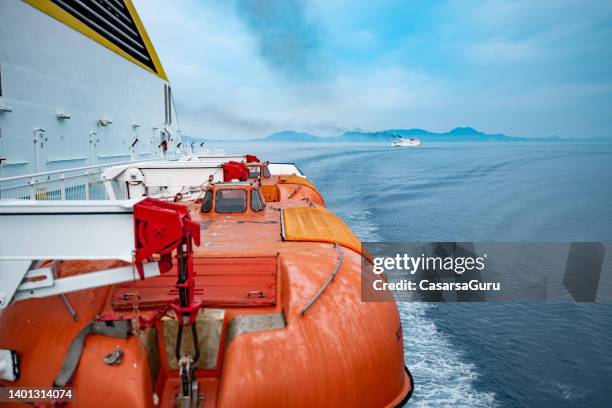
[
  {"x": 81, "y": 183},
  {"x": 168, "y": 180}
]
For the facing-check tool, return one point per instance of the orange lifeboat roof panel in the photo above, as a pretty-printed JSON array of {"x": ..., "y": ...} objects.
[
  {"x": 319, "y": 225},
  {"x": 293, "y": 179},
  {"x": 302, "y": 181}
]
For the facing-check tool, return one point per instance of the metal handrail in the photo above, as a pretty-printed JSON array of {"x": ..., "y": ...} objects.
[
  {"x": 53, "y": 172},
  {"x": 76, "y": 183},
  {"x": 282, "y": 218}
]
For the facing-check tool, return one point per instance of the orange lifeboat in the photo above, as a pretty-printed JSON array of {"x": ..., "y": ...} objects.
[{"x": 278, "y": 322}]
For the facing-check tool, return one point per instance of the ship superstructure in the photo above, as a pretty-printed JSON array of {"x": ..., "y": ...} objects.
[
  {"x": 80, "y": 85},
  {"x": 409, "y": 142}
]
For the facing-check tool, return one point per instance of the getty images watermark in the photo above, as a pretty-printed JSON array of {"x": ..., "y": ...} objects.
[{"x": 520, "y": 271}]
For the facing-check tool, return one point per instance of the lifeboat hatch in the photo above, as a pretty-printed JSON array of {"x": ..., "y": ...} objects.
[
  {"x": 220, "y": 282},
  {"x": 318, "y": 225},
  {"x": 209, "y": 326}
]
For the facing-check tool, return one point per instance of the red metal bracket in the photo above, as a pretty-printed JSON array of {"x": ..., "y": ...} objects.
[
  {"x": 159, "y": 228},
  {"x": 251, "y": 158},
  {"x": 234, "y": 170}
]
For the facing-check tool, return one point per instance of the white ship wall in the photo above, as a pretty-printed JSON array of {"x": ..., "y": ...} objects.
[{"x": 46, "y": 69}]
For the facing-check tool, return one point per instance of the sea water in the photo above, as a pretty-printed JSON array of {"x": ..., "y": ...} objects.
[{"x": 481, "y": 354}]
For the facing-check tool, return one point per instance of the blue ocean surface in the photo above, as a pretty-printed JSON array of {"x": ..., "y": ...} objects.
[{"x": 481, "y": 354}]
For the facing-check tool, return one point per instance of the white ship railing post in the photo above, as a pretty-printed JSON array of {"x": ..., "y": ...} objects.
[
  {"x": 62, "y": 186},
  {"x": 38, "y": 137},
  {"x": 87, "y": 185},
  {"x": 92, "y": 147},
  {"x": 32, "y": 188}
]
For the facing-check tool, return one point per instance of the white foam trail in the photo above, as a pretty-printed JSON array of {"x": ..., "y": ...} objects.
[
  {"x": 362, "y": 225},
  {"x": 441, "y": 377}
]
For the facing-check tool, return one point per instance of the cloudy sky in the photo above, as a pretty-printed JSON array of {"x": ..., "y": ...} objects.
[{"x": 246, "y": 68}]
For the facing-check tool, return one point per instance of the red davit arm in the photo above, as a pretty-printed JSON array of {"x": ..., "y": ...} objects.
[{"x": 159, "y": 228}]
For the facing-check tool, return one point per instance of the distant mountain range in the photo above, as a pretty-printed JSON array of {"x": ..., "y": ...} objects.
[{"x": 460, "y": 134}]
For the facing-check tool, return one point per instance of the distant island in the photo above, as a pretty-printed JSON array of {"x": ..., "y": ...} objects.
[{"x": 459, "y": 134}]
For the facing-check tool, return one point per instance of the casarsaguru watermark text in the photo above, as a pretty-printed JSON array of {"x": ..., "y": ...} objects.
[
  {"x": 412, "y": 264},
  {"x": 498, "y": 271}
]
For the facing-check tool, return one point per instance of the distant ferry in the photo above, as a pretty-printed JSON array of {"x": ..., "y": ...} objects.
[{"x": 410, "y": 142}]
